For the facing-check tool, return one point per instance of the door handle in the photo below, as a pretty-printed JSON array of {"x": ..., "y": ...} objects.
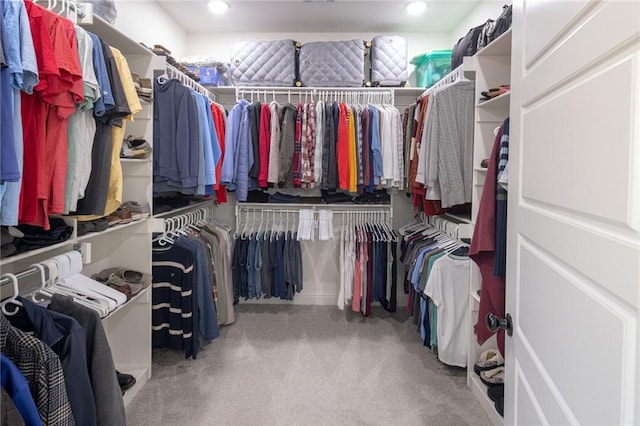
[{"x": 494, "y": 323}]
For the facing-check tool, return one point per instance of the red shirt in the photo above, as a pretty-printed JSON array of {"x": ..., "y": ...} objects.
[
  {"x": 34, "y": 118},
  {"x": 342, "y": 151},
  {"x": 218, "y": 122},
  {"x": 265, "y": 144}
]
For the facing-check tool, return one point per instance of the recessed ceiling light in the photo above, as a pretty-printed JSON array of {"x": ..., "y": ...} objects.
[
  {"x": 416, "y": 7},
  {"x": 218, "y": 6}
]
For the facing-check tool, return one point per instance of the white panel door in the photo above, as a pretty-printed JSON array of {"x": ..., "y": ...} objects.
[{"x": 573, "y": 278}]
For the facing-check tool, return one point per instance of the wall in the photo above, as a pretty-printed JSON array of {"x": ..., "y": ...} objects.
[
  {"x": 146, "y": 22},
  {"x": 484, "y": 10}
]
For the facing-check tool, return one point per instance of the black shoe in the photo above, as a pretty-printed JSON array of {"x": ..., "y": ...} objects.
[
  {"x": 500, "y": 407},
  {"x": 126, "y": 381},
  {"x": 495, "y": 392}
]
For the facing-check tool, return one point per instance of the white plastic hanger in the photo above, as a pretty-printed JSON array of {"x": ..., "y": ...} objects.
[{"x": 14, "y": 295}]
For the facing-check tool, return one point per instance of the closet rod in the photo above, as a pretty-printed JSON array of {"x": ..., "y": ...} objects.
[
  {"x": 337, "y": 92},
  {"x": 22, "y": 274},
  {"x": 173, "y": 72},
  {"x": 355, "y": 207},
  {"x": 455, "y": 75}
]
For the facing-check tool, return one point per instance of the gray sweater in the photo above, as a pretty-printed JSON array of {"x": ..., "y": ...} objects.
[
  {"x": 102, "y": 371},
  {"x": 450, "y": 130}
]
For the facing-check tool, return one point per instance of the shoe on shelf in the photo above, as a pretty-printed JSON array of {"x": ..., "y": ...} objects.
[
  {"x": 136, "y": 81},
  {"x": 118, "y": 284},
  {"x": 126, "y": 381},
  {"x": 96, "y": 225},
  {"x": 488, "y": 360},
  {"x": 121, "y": 216},
  {"x": 492, "y": 377},
  {"x": 137, "y": 280},
  {"x": 138, "y": 210},
  {"x": 135, "y": 148},
  {"x": 146, "y": 88},
  {"x": 495, "y": 392}
]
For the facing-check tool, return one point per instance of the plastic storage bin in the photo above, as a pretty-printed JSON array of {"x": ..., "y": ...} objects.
[{"x": 431, "y": 67}]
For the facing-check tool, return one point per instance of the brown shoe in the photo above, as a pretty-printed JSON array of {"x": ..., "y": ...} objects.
[{"x": 121, "y": 216}]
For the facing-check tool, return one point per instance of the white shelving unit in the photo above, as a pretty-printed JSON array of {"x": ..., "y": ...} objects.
[
  {"x": 493, "y": 68},
  {"x": 128, "y": 328}
]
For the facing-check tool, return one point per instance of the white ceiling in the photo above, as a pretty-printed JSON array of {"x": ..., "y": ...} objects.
[{"x": 346, "y": 16}]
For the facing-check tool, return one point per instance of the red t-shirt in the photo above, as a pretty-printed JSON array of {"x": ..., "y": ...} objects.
[
  {"x": 218, "y": 121},
  {"x": 45, "y": 116},
  {"x": 265, "y": 143},
  {"x": 34, "y": 116}
]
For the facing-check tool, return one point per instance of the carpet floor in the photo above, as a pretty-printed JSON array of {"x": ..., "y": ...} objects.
[{"x": 307, "y": 365}]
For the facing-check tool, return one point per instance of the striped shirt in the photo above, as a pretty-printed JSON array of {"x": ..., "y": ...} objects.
[{"x": 174, "y": 321}]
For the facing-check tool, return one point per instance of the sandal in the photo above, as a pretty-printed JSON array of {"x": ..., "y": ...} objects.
[
  {"x": 492, "y": 377},
  {"x": 488, "y": 360}
]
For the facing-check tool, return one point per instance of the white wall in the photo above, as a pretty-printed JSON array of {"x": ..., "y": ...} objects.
[
  {"x": 487, "y": 9},
  {"x": 146, "y": 22}
]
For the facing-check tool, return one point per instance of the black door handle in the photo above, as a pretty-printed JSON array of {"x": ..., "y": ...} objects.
[{"x": 494, "y": 323}]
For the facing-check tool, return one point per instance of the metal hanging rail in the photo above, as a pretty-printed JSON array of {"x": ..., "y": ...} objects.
[
  {"x": 374, "y": 95},
  {"x": 457, "y": 74},
  {"x": 173, "y": 72}
]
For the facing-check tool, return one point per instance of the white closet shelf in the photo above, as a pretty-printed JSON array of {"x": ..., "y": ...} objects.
[
  {"x": 136, "y": 160},
  {"x": 498, "y": 47},
  {"x": 142, "y": 375},
  {"x": 479, "y": 169},
  {"x": 183, "y": 209},
  {"x": 115, "y": 37},
  {"x": 22, "y": 256},
  {"x": 479, "y": 389},
  {"x": 114, "y": 228},
  {"x": 141, "y": 294},
  {"x": 501, "y": 101},
  {"x": 475, "y": 296}
]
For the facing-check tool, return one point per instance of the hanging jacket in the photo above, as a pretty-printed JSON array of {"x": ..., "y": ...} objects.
[
  {"x": 244, "y": 156},
  {"x": 274, "y": 144},
  {"x": 287, "y": 141}
]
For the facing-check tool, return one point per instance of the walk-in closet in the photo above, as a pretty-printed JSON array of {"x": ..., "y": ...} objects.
[{"x": 419, "y": 212}]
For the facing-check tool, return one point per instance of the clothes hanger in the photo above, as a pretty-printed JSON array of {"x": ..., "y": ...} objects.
[
  {"x": 43, "y": 281},
  {"x": 14, "y": 295}
]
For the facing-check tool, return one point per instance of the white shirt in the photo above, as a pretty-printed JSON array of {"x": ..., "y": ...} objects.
[{"x": 448, "y": 287}]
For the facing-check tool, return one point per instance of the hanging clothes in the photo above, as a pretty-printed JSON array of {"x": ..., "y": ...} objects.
[
  {"x": 188, "y": 141},
  {"x": 335, "y": 146},
  {"x": 66, "y": 337},
  {"x": 483, "y": 248},
  {"x": 185, "y": 294},
  {"x": 367, "y": 263},
  {"x": 43, "y": 371},
  {"x": 267, "y": 264}
]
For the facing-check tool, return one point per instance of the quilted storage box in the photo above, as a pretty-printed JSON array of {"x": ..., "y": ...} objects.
[
  {"x": 389, "y": 61},
  {"x": 264, "y": 63},
  {"x": 332, "y": 63}
]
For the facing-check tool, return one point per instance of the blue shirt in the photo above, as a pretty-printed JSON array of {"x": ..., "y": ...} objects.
[
  {"x": 18, "y": 389},
  {"x": 207, "y": 319},
  {"x": 242, "y": 163},
  {"x": 376, "y": 148},
  {"x": 227, "y": 175},
  {"x": 105, "y": 102},
  {"x": 9, "y": 167}
]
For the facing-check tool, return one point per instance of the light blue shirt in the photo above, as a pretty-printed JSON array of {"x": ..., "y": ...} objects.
[
  {"x": 227, "y": 174},
  {"x": 243, "y": 161},
  {"x": 376, "y": 147}
]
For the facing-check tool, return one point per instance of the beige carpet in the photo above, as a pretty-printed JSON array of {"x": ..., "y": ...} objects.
[{"x": 307, "y": 365}]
